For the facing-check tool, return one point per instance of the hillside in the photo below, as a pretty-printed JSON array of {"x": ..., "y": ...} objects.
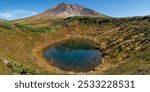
[
  {"x": 125, "y": 43},
  {"x": 1, "y": 20},
  {"x": 64, "y": 10}
]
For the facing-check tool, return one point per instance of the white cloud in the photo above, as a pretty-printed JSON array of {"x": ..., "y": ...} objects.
[
  {"x": 6, "y": 14},
  {"x": 16, "y": 13}
]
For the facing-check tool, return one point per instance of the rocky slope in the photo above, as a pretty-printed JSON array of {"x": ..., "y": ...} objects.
[{"x": 67, "y": 10}]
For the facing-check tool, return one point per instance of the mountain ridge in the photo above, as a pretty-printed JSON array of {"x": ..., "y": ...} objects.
[
  {"x": 1, "y": 20},
  {"x": 64, "y": 10}
]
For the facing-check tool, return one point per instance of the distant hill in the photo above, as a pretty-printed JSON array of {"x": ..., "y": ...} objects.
[{"x": 1, "y": 20}]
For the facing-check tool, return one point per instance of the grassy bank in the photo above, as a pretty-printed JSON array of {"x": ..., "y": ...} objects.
[{"x": 124, "y": 41}]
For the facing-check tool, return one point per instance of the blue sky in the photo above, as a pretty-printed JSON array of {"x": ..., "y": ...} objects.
[{"x": 14, "y": 9}]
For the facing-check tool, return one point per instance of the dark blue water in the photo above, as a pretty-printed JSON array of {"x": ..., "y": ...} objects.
[{"x": 74, "y": 55}]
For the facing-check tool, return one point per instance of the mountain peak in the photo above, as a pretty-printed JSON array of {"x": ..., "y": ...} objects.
[
  {"x": 64, "y": 10},
  {"x": 65, "y": 4},
  {"x": 62, "y": 4}
]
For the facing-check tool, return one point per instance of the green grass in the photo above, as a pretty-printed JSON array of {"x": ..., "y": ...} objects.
[
  {"x": 26, "y": 28},
  {"x": 23, "y": 69},
  {"x": 7, "y": 25},
  {"x": 125, "y": 43}
]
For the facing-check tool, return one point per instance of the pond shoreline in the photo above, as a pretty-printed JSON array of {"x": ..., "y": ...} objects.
[
  {"x": 74, "y": 54},
  {"x": 38, "y": 51}
]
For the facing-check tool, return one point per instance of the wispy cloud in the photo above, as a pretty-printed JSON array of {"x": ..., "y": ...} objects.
[
  {"x": 16, "y": 13},
  {"x": 6, "y": 14}
]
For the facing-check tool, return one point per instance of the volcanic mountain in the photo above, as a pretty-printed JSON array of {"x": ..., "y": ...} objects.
[
  {"x": 124, "y": 42},
  {"x": 67, "y": 10}
]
